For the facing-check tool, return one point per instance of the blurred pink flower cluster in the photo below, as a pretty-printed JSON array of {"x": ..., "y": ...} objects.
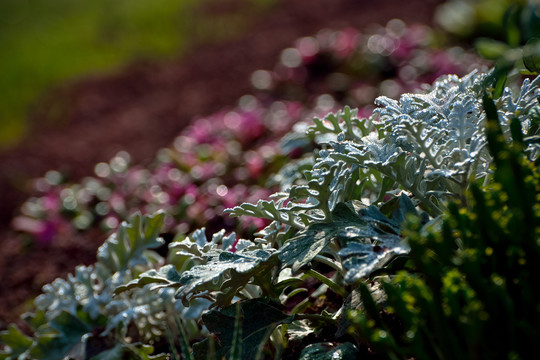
[
  {"x": 217, "y": 162},
  {"x": 355, "y": 67}
]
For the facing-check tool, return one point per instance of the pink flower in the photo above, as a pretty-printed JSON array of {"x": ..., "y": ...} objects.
[
  {"x": 346, "y": 42},
  {"x": 43, "y": 231},
  {"x": 255, "y": 164},
  {"x": 51, "y": 203},
  {"x": 251, "y": 127}
]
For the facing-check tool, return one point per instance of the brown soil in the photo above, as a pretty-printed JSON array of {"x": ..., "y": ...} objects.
[{"x": 141, "y": 109}]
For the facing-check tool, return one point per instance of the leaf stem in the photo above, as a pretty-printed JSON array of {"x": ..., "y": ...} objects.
[
  {"x": 333, "y": 264},
  {"x": 332, "y": 285}
]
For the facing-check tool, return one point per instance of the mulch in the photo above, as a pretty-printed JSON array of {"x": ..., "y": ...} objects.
[{"x": 140, "y": 109}]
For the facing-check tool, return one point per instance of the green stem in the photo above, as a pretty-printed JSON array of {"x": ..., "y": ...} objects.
[
  {"x": 333, "y": 264},
  {"x": 303, "y": 305},
  {"x": 332, "y": 285}
]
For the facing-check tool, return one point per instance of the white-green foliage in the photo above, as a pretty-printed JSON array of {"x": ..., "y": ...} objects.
[
  {"x": 120, "y": 259},
  {"x": 69, "y": 310},
  {"x": 526, "y": 110},
  {"x": 424, "y": 149},
  {"x": 430, "y": 145},
  {"x": 442, "y": 133},
  {"x": 211, "y": 266}
]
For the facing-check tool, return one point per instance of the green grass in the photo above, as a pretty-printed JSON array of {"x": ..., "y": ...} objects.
[{"x": 44, "y": 43}]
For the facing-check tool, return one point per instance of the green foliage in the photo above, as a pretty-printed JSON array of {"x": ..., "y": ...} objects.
[
  {"x": 497, "y": 19},
  {"x": 518, "y": 52},
  {"x": 124, "y": 350},
  {"x": 98, "y": 35},
  {"x": 17, "y": 341},
  {"x": 520, "y": 24},
  {"x": 472, "y": 293}
]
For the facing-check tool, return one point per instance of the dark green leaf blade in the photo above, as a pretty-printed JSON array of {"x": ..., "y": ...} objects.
[
  {"x": 328, "y": 351},
  {"x": 54, "y": 342},
  {"x": 16, "y": 340},
  {"x": 259, "y": 319}
]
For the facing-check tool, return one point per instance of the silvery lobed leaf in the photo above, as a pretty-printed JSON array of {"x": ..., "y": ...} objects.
[
  {"x": 361, "y": 260},
  {"x": 197, "y": 247},
  {"x": 166, "y": 276},
  {"x": 126, "y": 247},
  {"x": 222, "y": 267},
  {"x": 346, "y": 226}
]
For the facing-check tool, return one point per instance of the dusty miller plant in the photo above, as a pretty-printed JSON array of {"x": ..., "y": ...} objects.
[
  {"x": 423, "y": 150},
  {"x": 80, "y": 317}
]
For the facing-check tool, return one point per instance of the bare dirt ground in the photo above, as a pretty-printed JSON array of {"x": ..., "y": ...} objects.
[{"x": 140, "y": 109}]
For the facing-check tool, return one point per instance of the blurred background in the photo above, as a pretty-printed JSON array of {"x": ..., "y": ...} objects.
[
  {"x": 51, "y": 51},
  {"x": 48, "y": 43}
]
